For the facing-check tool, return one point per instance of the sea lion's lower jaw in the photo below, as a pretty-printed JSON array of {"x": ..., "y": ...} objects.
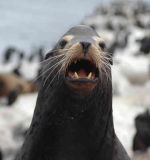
[
  {"x": 82, "y": 75},
  {"x": 82, "y": 85},
  {"x": 81, "y": 80}
]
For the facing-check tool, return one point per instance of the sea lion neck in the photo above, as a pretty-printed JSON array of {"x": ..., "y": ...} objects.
[
  {"x": 77, "y": 127},
  {"x": 61, "y": 98}
]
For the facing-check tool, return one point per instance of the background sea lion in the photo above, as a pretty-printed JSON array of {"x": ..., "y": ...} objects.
[
  {"x": 12, "y": 85},
  {"x": 73, "y": 115},
  {"x": 141, "y": 141},
  {"x": 8, "y": 54}
]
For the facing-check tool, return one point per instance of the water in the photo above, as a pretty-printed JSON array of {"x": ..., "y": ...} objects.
[{"x": 29, "y": 23}]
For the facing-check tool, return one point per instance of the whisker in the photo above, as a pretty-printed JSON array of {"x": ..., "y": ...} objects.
[
  {"x": 104, "y": 56},
  {"x": 53, "y": 65},
  {"x": 104, "y": 69},
  {"x": 107, "y": 65},
  {"x": 44, "y": 72},
  {"x": 53, "y": 69},
  {"x": 108, "y": 54},
  {"x": 107, "y": 58},
  {"x": 105, "y": 61},
  {"x": 51, "y": 58},
  {"x": 51, "y": 81},
  {"x": 59, "y": 71},
  {"x": 107, "y": 76},
  {"x": 67, "y": 62},
  {"x": 56, "y": 55}
]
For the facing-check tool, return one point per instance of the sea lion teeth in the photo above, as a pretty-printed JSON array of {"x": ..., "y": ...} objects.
[
  {"x": 76, "y": 75},
  {"x": 90, "y": 75}
]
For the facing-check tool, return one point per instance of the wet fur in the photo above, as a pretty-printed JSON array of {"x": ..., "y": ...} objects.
[{"x": 70, "y": 126}]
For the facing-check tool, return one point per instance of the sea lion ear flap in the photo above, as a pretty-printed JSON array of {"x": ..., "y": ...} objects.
[{"x": 49, "y": 54}]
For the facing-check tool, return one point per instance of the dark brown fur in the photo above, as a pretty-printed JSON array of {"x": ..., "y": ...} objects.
[{"x": 71, "y": 123}]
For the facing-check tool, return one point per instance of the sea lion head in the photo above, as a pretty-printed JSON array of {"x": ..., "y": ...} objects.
[{"x": 80, "y": 58}]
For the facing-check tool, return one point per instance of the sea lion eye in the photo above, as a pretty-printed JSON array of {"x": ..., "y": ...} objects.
[
  {"x": 102, "y": 45},
  {"x": 62, "y": 44}
]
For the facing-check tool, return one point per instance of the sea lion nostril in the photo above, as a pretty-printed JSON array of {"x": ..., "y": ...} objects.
[{"x": 85, "y": 46}]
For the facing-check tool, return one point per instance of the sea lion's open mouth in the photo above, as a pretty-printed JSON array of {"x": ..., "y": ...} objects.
[{"x": 82, "y": 70}]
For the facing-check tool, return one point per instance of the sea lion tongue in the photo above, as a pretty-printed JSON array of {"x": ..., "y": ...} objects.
[{"x": 82, "y": 73}]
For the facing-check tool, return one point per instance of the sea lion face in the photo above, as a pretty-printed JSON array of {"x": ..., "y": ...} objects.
[{"x": 82, "y": 58}]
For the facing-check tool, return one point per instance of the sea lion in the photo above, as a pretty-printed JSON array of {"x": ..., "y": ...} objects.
[
  {"x": 11, "y": 85},
  {"x": 144, "y": 45},
  {"x": 8, "y": 54},
  {"x": 141, "y": 141},
  {"x": 73, "y": 115}
]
